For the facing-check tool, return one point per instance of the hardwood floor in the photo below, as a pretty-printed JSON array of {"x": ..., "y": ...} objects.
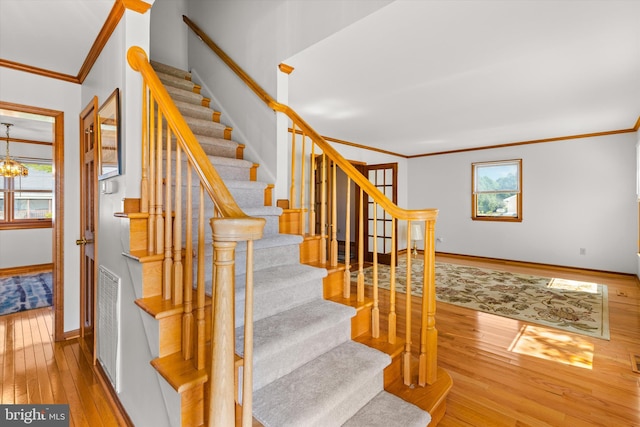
[
  {"x": 35, "y": 370},
  {"x": 495, "y": 386}
]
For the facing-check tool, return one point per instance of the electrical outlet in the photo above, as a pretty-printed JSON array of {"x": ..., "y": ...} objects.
[{"x": 583, "y": 251}]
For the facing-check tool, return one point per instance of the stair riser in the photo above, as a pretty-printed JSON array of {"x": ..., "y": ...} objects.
[
  {"x": 263, "y": 258},
  {"x": 226, "y": 172},
  {"x": 245, "y": 197},
  {"x": 270, "y": 228},
  {"x": 248, "y": 198},
  {"x": 267, "y": 257},
  {"x": 219, "y": 148},
  {"x": 267, "y": 304}
]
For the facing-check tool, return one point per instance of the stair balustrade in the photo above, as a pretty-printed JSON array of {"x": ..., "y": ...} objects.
[
  {"x": 315, "y": 161},
  {"x": 171, "y": 156}
]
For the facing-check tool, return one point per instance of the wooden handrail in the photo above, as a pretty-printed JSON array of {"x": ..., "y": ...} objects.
[
  {"x": 359, "y": 179},
  {"x": 213, "y": 184}
]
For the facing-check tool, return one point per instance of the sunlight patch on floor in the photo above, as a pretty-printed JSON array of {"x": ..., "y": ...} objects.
[
  {"x": 554, "y": 345},
  {"x": 573, "y": 285}
]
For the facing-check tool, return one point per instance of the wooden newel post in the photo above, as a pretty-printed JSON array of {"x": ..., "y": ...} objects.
[{"x": 226, "y": 233}]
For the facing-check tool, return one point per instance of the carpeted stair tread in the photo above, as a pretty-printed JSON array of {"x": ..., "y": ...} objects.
[
  {"x": 168, "y": 69},
  {"x": 221, "y": 147},
  {"x": 196, "y": 111},
  {"x": 292, "y": 325},
  {"x": 184, "y": 95},
  {"x": 272, "y": 241},
  {"x": 263, "y": 211},
  {"x": 386, "y": 410},
  {"x": 175, "y": 81},
  {"x": 230, "y": 161},
  {"x": 249, "y": 185},
  {"x": 325, "y": 391},
  {"x": 205, "y": 127},
  {"x": 289, "y": 339}
]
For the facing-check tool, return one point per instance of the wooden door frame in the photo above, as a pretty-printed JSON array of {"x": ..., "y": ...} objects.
[
  {"x": 91, "y": 108},
  {"x": 57, "y": 222}
]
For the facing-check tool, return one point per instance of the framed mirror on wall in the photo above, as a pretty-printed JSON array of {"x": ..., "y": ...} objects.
[{"x": 110, "y": 150}]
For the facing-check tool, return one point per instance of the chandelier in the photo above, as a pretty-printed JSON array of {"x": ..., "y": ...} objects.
[{"x": 9, "y": 168}]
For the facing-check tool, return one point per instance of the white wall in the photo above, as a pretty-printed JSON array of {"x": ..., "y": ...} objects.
[
  {"x": 578, "y": 193},
  {"x": 20, "y": 248},
  {"x": 259, "y": 35},
  {"x": 33, "y": 90},
  {"x": 169, "y": 33},
  {"x": 140, "y": 391}
]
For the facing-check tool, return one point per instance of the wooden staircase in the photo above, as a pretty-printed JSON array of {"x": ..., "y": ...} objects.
[{"x": 191, "y": 380}]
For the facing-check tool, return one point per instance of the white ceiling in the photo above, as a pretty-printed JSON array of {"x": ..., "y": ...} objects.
[
  {"x": 55, "y": 35},
  {"x": 418, "y": 76},
  {"x": 421, "y": 77}
]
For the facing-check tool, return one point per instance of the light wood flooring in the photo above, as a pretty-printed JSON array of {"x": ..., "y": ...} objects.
[
  {"x": 493, "y": 385},
  {"x": 496, "y": 386},
  {"x": 35, "y": 370}
]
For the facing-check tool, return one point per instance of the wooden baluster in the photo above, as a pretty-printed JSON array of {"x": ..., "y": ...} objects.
[
  {"x": 200, "y": 322},
  {"x": 323, "y": 211},
  {"x": 159, "y": 239},
  {"x": 360, "y": 281},
  {"x": 428, "y": 362},
  {"x": 302, "y": 182},
  {"x": 144, "y": 180},
  {"x": 187, "y": 318},
  {"x": 177, "y": 232},
  {"x": 168, "y": 223},
  {"x": 334, "y": 216},
  {"x": 151, "y": 230},
  {"x": 312, "y": 191},
  {"x": 375, "y": 311},
  {"x": 292, "y": 189},
  {"x": 346, "y": 289},
  {"x": 392, "y": 286},
  {"x": 407, "y": 346},
  {"x": 247, "y": 365}
]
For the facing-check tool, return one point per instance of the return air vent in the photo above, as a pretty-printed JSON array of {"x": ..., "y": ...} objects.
[{"x": 108, "y": 324}]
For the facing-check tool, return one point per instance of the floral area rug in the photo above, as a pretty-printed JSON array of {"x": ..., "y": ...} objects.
[
  {"x": 20, "y": 293},
  {"x": 579, "y": 307}
]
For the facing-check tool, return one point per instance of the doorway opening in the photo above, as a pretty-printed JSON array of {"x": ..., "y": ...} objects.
[{"x": 42, "y": 128}]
